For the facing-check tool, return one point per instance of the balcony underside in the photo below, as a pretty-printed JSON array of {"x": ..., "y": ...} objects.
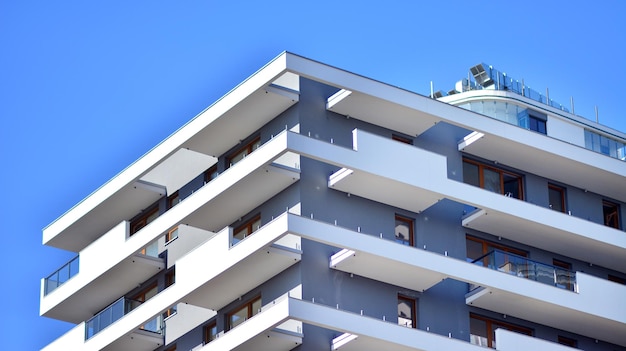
[
  {"x": 552, "y": 159},
  {"x": 138, "y": 340},
  {"x": 387, "y": 261},
  {"x": 257, "y": 187},
  {"x": 409, "y": 187},
  {"x": 208, "y": 135},
  {"x": 386, "y": 270},
  {"x": 243, "y": 277},
  {"x": 386, "y": 190},
  {"x": 99, "y": 293},
  {"x": 554, "y": 238},
  {"x": 517, "y": 305},
  {"x": 410, "y": 121}
]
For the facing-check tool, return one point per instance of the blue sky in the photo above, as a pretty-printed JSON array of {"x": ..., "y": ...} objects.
[{"x": 87, "y": 87}]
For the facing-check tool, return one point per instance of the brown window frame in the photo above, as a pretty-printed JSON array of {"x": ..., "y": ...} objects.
[
  {"x": 611, "y": 217},
  {"x": 616, "y": 279},
  {"x": 141, "y": 296},
  {"x": 210, "y": 174},
  {"x": 401, "y": 139},
  {"x": 247, "y": 225},
  {"x": 410, "y": 223},
  {"x": 487, "y": 243},
  {"x": 169, "y": 236},
  {"x": 481, "y": 178},
  {"x": 490, "y": 322},
  {"x": 563, "y": 340},
  {"x": 247, "y": 148},
  {"x": 207, "y": 335},
  {"x": 413, "y": 304},
  {"x": 173, "y": 200},
  {"x": 250, "y": 312},
  {"x": 170, "y": 278},
  {"x": 561, "y": 191},
  {"x": 564, "y": 265},
  {"x": 142, "y": 220}
]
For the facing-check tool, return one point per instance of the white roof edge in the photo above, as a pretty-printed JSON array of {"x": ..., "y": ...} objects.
[{"x": 169, "y": 145}]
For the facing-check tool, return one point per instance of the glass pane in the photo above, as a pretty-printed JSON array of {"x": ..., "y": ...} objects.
[
  {"x": 256, "y": 306},
  {"x": 474, "y": 250},
  {"x": 491, "y": 180},
  {"x": 512, "y": 185},
  {"x": 238, "y": 317},
  {"x": 403, "y": 231},
  {"x": 470, "y": 174},
  {"x": 478, "y": 332},
  {"x": 405, "y": 312},
  {"x": 556, "y": 199}
]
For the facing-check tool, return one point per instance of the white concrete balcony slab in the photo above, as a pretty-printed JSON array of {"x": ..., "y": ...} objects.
[
  {"x": 597, "y": 308},
  {"x": 367, "y": 171},
  {"x": 359, "y": 332},
  {"x": 235, "y": 116},
  {"x": 589, "y": 310},
  {"x": 99, "y": 265},
  {"x": 214, "y": 206},
  {"x": 259, "y": 254},
  {"x": 492, "y": 139},
  {"x": 512, "y": 341}
]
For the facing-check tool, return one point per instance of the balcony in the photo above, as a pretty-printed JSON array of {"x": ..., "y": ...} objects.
[
  {"x": 211, "y": 133},
  {"x": 60, "y": 276},
  {"x": 356, "y": 331},
  {"x": 98, "y": 266},
  {"x": 117, "y": 310},
  {"x": 590, "y": 310},
  {"x": 407, "y": 186},
  {"x": 214, "y": 206},
  {"x": 523, "y": 267},
  {"x": 412, "y": 114}
]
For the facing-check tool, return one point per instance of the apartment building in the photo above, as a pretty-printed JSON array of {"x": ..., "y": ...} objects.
[{"x": 312, "y": 208}]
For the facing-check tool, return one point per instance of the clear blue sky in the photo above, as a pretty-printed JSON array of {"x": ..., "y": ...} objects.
[{"x": 87, "y": 87}]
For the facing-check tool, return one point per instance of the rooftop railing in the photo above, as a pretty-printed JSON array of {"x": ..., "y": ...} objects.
[
  {"x": 524, "y": 268},
  {"x": 61, "y": 275},
  {"x": 116, "y": 311}
]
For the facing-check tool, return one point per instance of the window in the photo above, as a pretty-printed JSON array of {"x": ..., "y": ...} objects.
[
  {"x": 492, "y": 179},
  {"x": 147, "y": 293},
  {"x": 142, "y": 297},
  {"x": 402, "y": 139},
  {"x": 210, "y": 332},
  {"x": 210, "y": 174},
  {"x": 611, "y": 214},
  {"x": 247, "y": 228},
  {"x": 483, "y": 329},
  {"x": 537, "y": 124},
  {"x": 244, "y": 151},
  {"x": 244, "y": 313},
  {"x": 404, "y": 230},
  {"x": 173, "y": 200},
  {"x": 556, "y": 197},
  {"x": 617, "y": 279},
  {"x": 406, "y": 312},
  {"x": 170, "y": 278},
  {"x": 564, "y": 276},
  {"x": 477, "y": 247},
  {"x": 171, "y": 235},
  {"x": 144, "y": 220},
  {"x": 567, "y": 341}
]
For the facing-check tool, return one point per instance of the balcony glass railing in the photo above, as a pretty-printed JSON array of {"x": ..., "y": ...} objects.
[
  {"x": 523, "y": 267},
  {"x": 114, "y": 312},
  {"x": 61, "y": 275}
]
